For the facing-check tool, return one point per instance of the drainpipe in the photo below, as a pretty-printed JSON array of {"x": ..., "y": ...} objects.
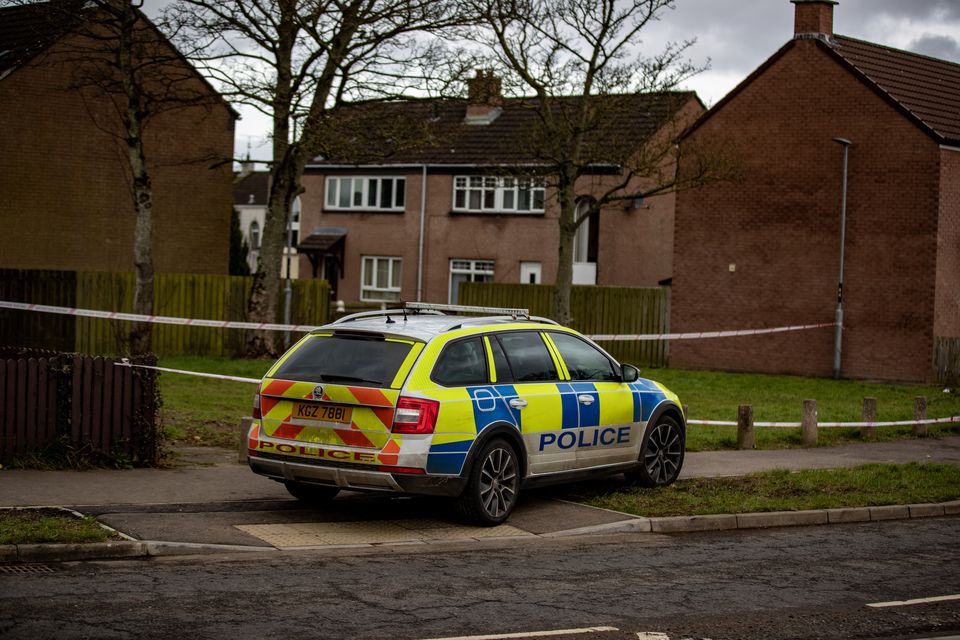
[
  {"x": 838, "y": 317},
  {"x": 423, "y": 224}
]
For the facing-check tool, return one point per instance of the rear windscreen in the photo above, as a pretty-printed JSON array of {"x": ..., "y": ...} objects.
[{"x": 350, "y": 360}]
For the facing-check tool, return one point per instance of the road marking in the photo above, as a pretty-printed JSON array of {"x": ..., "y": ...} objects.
[
  {"x": 907, "y": 603},
  {"x": 652, "y": 635},
  {"x": 531, "y": 634}
]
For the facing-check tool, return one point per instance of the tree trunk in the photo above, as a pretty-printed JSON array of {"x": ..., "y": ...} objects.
[
  {"x": 568, "y": 229},
  {"x": 133, "y": 118},
  {"x": 265, "y": 294},
  {"x": 141, "y": 334}
]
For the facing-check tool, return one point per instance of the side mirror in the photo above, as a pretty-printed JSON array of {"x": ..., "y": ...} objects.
[{"x": 629, "y": 373}]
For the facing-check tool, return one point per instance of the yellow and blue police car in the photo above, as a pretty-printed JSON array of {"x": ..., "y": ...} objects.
[{"x": 416, "y": 400}]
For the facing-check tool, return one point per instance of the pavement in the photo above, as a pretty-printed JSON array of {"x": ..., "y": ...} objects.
[{"x": 208, "y": 502}]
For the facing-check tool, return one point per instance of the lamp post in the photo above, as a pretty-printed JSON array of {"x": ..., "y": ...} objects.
[{"x": 838, "y": 317}]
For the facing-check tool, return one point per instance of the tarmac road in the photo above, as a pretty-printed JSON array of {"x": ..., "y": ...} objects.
[{"x": 792, "y": 583}]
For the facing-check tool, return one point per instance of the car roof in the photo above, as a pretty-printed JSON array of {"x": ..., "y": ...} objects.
[{"x": 425, "y": 327}]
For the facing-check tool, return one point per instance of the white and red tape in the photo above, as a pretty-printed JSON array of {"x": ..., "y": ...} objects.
[{"x": 269, "y": 326}]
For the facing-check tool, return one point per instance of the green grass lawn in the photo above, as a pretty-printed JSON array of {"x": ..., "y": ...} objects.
[
  {"x": 712, "y": 395},
  {"x": 206, "y": 412},
  {"x": 863, "y": 486},
  {"x": 30, "y": 526}
]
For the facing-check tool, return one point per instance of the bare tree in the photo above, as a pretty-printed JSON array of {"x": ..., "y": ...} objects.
[
  {"x": 129, "y": 74},
  {"x": 295, "y": 61},
  {"x": 579, "y": 60}
]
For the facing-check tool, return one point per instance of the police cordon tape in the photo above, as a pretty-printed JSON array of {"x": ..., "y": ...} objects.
[
  {"x": 717, "y": 423},
  {"x": 133, "y": 317},
  {"x": 696, "y": 335},
  {"x": 795, "y": 425},
  {"x": 215, "y": 376},
  {"x": 269, "y": 326}
]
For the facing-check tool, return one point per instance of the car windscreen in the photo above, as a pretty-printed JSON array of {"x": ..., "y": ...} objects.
[{"x": 367, "y": 361}]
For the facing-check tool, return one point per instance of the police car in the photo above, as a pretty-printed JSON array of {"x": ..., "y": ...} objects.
[{"x": 418, "y": 401}]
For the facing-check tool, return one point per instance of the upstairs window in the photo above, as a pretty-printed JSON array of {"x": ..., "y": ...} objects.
[
  {"x": 366, "y": 193},
  {"x": 498, "y": 194}
]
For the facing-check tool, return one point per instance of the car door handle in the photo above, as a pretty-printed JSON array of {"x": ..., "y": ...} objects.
[
  {"x": 585, "y": 399},
  {"x": 517, "y": 403}
]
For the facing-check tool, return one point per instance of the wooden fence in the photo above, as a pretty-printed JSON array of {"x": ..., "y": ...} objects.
[
  {"x": 90, "y": 406},
  {"x": 946, "y": 361},
  {"x": 214, "y": 297},
  {"x": 595, "y": 310}
]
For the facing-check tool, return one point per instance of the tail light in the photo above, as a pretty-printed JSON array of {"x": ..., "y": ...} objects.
[
  {"x": 415, "y": 415},
  {"x": 256, "y": 407}
]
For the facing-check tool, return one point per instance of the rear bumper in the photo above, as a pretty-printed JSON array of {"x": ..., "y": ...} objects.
[{"x": 356, "y": 479}]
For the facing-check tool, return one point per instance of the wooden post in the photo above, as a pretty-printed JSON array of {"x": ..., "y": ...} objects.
[
  {"x": 869, "y": 415},
  {"x": 745, "y": 436},
  {"x": 686, "y": 411},
  {"x": 808, "y": 424},
  {"x": 920, "y": 413},
  {"x": 242, "y": 430}
]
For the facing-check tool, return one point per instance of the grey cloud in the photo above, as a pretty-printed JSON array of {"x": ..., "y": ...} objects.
[
  {"x": 906, "y": 9},
  {"x": 937, "y": 46}
]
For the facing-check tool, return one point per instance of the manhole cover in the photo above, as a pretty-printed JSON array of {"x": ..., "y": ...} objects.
[{"x": 25, "y": 568}]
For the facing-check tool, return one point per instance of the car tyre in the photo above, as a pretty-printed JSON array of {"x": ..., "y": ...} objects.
[
  {"x": 661, "y": 454},
  {"x": 492, "y": 487},
  {"x": 311, "y": 493}
]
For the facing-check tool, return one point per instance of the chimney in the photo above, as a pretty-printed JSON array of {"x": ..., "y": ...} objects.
[
  {"x": 484, "y": 100},
  {"x": 813, "y": 18}
]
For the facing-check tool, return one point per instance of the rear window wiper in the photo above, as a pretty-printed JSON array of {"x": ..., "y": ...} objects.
[{"x": 329, "y": 377}]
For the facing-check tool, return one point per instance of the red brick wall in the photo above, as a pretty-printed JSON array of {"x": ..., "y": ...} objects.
[
  {"x": 947, "y": 321},
  {"x": 779, "y": 226},
  {"x": 65, "y": 199}
]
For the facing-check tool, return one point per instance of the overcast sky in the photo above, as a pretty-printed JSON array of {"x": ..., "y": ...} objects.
[{"x": 736, "y": 36}]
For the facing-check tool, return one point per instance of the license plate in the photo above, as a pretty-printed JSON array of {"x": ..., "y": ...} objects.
[{"x": 322, "y": 412}]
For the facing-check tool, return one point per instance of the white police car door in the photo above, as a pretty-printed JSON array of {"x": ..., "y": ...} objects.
[
  {"x": 528, "y": 377},
  {"x": 597, "y": 405}
]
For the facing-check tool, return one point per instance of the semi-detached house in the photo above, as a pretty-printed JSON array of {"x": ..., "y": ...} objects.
[
  {"x": 416, "y": 223},
  {"x": 765, "y": 251},
  {"x": 66, "y": 201}
]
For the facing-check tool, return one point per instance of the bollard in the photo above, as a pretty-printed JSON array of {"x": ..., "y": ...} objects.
[
  {"x": 869, "y": 415},
  {"x": 243, "y": 429},
  {"x": 686, "y": 411},
  {"x": 745, "y": 437},
  {"x": 920, "y": 413},
  {"x": 808, "y": 424}
]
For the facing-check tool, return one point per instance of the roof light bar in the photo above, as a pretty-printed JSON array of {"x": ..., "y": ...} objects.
[{"x": 426, "y": 306}]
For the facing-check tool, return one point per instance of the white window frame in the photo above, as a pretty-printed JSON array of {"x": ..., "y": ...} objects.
[
  {"x": 334, "y": 200},
  {"x": 478, "y": 267},
  {"x": 498, "y": 194},
  {"x": 374, "y": 291}
]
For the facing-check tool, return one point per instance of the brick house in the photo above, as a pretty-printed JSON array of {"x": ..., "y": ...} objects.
[
  {"x": 65, "y": 195},
  {"x": 765, "y": 252},
  {"x": 416, "y": 223}
]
